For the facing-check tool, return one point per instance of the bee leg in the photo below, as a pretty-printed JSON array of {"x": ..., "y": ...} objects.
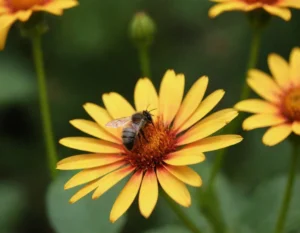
[{"x": 143, "y": 134}]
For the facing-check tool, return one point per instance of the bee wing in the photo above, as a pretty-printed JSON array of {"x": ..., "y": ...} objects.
[{"x": 118, "y": 122}]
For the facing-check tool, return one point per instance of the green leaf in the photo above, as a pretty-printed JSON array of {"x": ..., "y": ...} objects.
[
  {"x": 169, "y": 229},
  {"x": 86, "y": 215}
]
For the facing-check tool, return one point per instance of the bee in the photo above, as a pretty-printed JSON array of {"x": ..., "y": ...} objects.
[{"x": 132, "y": 127}]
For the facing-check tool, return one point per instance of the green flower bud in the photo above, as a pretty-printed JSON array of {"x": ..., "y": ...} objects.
[{"x": 142, "y": 29}]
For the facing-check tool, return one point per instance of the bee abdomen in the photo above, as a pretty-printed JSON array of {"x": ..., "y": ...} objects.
[{"x": 128, "y": 137}]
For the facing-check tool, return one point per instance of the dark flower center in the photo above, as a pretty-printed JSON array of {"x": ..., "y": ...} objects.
[
  {"x": 268, "y": 2},
  {"x": 24, "y": 4},
  {"x": 291, "y": 105}
]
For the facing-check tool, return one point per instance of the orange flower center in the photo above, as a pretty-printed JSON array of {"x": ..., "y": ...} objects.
[
  {"x": 268, "y": 2},
  {"x": 292, "y": 105},
  {"x": 150, "y": 153},
  {"x": 24, "y": 4}
]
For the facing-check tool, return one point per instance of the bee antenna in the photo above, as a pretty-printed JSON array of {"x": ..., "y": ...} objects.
[{"x": 152, "y": 110}]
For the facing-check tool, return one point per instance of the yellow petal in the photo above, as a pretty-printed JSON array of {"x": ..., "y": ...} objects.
[
  {"x": 186, "y": 156},
  {"x": 145, "y": 96},
  {"x": 226, "y": 6},
  {"x": 281, "y": 12},
  {"x": 216, "y": 142},
  {"x": 262, "y": 120},
  {"x": 191, "y": 101},
  {"x": 205, "y": 107},
  {"x": 277, "y": 134},
  {"x": 279, "y": 69},
  {"x": 95, "y": 130},
  {"x": 87, "y": 161},
  {"x": 295, "y": 66},
  {"x": 256, "y": 106},
  {"x": 5, "y": 23},
  {"x": 170, "y": 95},
  {"x": 91, "y": 145},
  {"x": 84, "y": 191},
  {"x": 126, "y": 197},
  {"x": 263, "y": 85},
  {"x": 173, "y": 187},
  {"x": 91, "y": 174},
  {"x": 101, "y": 116},
  {"x": 117, "y": 106},
  {"x": 111, "y": 179},
  {"x": 296, "y": 127},
  {"x": 56, "y": 7},
  {"x": 148, "y": 193},
  {"x": 185, "y": 174},
  {"x": 23, "y": 15},
  {"x": 208, "y": 126},
  {"x": 290, "y": 3}
]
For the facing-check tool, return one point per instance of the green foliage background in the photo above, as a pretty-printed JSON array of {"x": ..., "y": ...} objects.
[{"x": 87, "y": 53}]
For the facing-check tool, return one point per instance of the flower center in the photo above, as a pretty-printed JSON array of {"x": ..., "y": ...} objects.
[
  {"x": 150, "y": 152},
  {"x": 291, "y": 108},
  {"x": 24, "y": 4},
  {"x": 268, "y": 2}
]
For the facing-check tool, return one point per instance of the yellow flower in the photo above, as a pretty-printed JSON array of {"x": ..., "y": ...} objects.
[
  {"x": 13, "y": 10},
  {"x": 273, "y": 7},
  {"x": 176, "y": 139},
  {"x": 281, "y": 107}
]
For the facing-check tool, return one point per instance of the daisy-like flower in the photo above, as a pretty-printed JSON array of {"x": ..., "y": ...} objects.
[
  {"x": 273, "y": 7},
  {"x": 13, "y": 10},
  {"x": 177, "y": 139},
  {"x": 280, "y": 108}
]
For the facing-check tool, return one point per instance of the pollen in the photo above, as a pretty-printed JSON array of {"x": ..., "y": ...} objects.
[
  {"x": 291, "y": 106},
  {"x": 149, "y": 152},
  {"x": 16, "y": 5}
]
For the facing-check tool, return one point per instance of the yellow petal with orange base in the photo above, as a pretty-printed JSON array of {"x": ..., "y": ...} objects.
[
  {"x": 263, "y": 85},
  {"x": 205, "y": 107},
  {"x": 90, "y": 174},
  {"x": 126, "y": 197},
  {"x": 84, "y": 191},
  {"x": 226, "y": 6},
  {"x": 281, "y": 12},
  {"x": 295, "y": 66},
  {"x": 117, "y": 106},
  {"x": 280, "y": 69},
  {"x": 56, "y": 7},
  {"x": 145, "y": 96},
  {"x": 191, "y": 101},
  {"x": 101, "y": 116},
  {"x": 208, "y": 126},
  {"x": 91, "y": 145},
  {"x": 148, "y": 193},
  {"x": 186, "y": 156},
  {"x": 262, "y": 120},
  {"x": 216, "y": 142},
  {"x": 185, "y": 174},
  {"x": 111, "y": 179},
  {"x": 170, "y": 95},
  {"x": 256, "y": 106},
  {"x": 296, "y": 127},
  {"x": 173, "y": 187},
  {"x": 277, "y": 134},
  {"x": 5, "y": 23},
  {"x": 87, "y": 161},
  {"x": 94, "y": 129}
]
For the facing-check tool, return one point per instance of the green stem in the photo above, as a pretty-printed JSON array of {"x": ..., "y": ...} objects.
[
  {"x": 44, "y": 103},
  {"x": 288, "y": 190},
  {"x": 189, "y": 224},
  {"x": 144, "y": 60},
  {"x": 233, "y": 127}
]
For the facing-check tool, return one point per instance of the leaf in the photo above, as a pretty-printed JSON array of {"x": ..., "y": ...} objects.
[
  {"x": 86, "y": 215},
  {"x": 169, "y": 229}
]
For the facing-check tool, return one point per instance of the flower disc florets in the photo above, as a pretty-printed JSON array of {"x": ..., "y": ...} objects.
[
  {"x": 268, "y": 2},
  {"x": 149, "y": 152},
  {"x": 291, "y": 105}
]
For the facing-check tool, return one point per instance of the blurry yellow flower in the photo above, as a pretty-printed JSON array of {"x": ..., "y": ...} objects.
[
  {"x": 273, "y": 7},
  {"x": 177, "y": 139},
  {"x": 13, "y": 10},
  {"x": 281, "y": 107}
]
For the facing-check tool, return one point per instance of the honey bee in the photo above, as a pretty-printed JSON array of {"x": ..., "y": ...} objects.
[{"x": 132, "y": 127}]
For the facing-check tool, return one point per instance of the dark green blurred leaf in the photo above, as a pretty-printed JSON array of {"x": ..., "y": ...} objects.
[
  {"x": 86, "y": 215},
  {"x": 169, "y": 229}
]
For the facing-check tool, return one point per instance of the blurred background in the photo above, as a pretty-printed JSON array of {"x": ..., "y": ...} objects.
[{"x": 87, "y": 53}]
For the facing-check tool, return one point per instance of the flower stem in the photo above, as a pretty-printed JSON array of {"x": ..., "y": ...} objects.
[
  {"x": 189, "y": 224},
  {"x": 288, "y": 190},
  {"x": 43, "y": 99},
  {"x": 234, "y": 126},
  {"x": 144, "y": 60}
]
